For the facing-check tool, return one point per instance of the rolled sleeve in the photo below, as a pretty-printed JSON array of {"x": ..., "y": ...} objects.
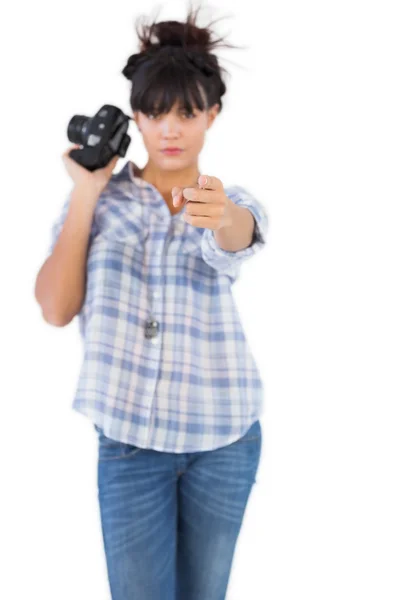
[{"x": 229, "y": 261}]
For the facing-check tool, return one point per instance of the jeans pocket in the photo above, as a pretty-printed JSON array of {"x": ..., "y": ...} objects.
[{"x": 110, "y": 449}]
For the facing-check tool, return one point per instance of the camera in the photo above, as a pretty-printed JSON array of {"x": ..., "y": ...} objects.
[{"x": 102, "y": 137}]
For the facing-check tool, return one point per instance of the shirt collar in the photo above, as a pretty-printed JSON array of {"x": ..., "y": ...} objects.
[{"x": 132, "y": 173}]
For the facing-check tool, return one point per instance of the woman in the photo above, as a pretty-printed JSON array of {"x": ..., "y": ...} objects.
[{"x": 146, "y": 258}]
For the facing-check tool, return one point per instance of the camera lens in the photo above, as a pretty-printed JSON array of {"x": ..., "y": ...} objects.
[{"x": 78, "y": 128}]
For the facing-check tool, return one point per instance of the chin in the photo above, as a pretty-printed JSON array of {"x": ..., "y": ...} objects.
[{"x": 173, "y": 162}]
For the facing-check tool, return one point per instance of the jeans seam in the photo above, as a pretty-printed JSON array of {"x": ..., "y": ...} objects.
[{"x": 129, "y": 454}]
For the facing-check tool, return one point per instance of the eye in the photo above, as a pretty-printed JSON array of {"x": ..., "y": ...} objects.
[{"x": 189, "y": 115}]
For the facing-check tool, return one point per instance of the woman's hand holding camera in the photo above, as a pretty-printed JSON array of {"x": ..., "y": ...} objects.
[{"x": 94, "y": 180}]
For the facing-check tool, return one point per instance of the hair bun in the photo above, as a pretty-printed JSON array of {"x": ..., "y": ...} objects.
[
  {"x": 173, "y": 58},
  {"x": 185, "y": 34},
  {"x": 182, "y": 35}
]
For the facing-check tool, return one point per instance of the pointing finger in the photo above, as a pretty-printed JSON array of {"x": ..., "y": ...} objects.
[{"x": 209, "y": 183}]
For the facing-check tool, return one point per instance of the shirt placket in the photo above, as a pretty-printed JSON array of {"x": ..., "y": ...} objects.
[{"x": 155, "y": 290}]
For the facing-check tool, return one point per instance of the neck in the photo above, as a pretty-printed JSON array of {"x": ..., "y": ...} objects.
[{"x": 164, "y": 181}]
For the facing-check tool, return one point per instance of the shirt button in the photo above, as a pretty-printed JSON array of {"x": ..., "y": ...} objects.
[
  {"x": 156, "y": 294},
  {"x": 151, "y": 329}
]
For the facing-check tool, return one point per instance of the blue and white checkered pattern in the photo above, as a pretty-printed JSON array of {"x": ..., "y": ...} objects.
[{"x": 195, "y": 386}]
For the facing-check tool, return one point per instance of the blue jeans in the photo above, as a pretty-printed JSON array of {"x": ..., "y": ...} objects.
[{"x": 170, "y": 522}]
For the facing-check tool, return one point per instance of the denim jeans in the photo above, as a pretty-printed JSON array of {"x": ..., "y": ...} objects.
[{"x": 170, "y": 522}]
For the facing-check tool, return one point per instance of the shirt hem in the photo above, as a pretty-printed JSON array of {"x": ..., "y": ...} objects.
[{"x": 229, "y": 440}]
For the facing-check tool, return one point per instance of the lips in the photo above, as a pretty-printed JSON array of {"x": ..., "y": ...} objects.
[{"x": 172, "y": 150}]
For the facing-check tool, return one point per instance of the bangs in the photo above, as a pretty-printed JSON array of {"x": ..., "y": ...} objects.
[{"x": 162, "y": 87}]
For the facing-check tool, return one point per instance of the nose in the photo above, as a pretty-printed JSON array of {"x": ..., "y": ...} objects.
[{"x": 170, "y": 126}]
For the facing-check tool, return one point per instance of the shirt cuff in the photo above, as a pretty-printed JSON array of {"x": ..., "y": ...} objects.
[{"x": 223, "y": 260}]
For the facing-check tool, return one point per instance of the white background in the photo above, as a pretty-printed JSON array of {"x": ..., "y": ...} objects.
[{"x": 311, "y": 126}]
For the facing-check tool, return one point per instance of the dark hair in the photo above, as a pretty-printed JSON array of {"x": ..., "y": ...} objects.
[{"x": 175, "y": 58}]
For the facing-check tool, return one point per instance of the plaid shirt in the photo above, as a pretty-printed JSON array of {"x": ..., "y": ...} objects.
[{"x": 194, "y": 385}]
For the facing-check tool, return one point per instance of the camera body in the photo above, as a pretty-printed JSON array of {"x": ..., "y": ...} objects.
[{"x": 102, "y": 137}]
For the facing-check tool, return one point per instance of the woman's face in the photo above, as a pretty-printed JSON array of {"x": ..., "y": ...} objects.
[{"x": 176, "y": 129}]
